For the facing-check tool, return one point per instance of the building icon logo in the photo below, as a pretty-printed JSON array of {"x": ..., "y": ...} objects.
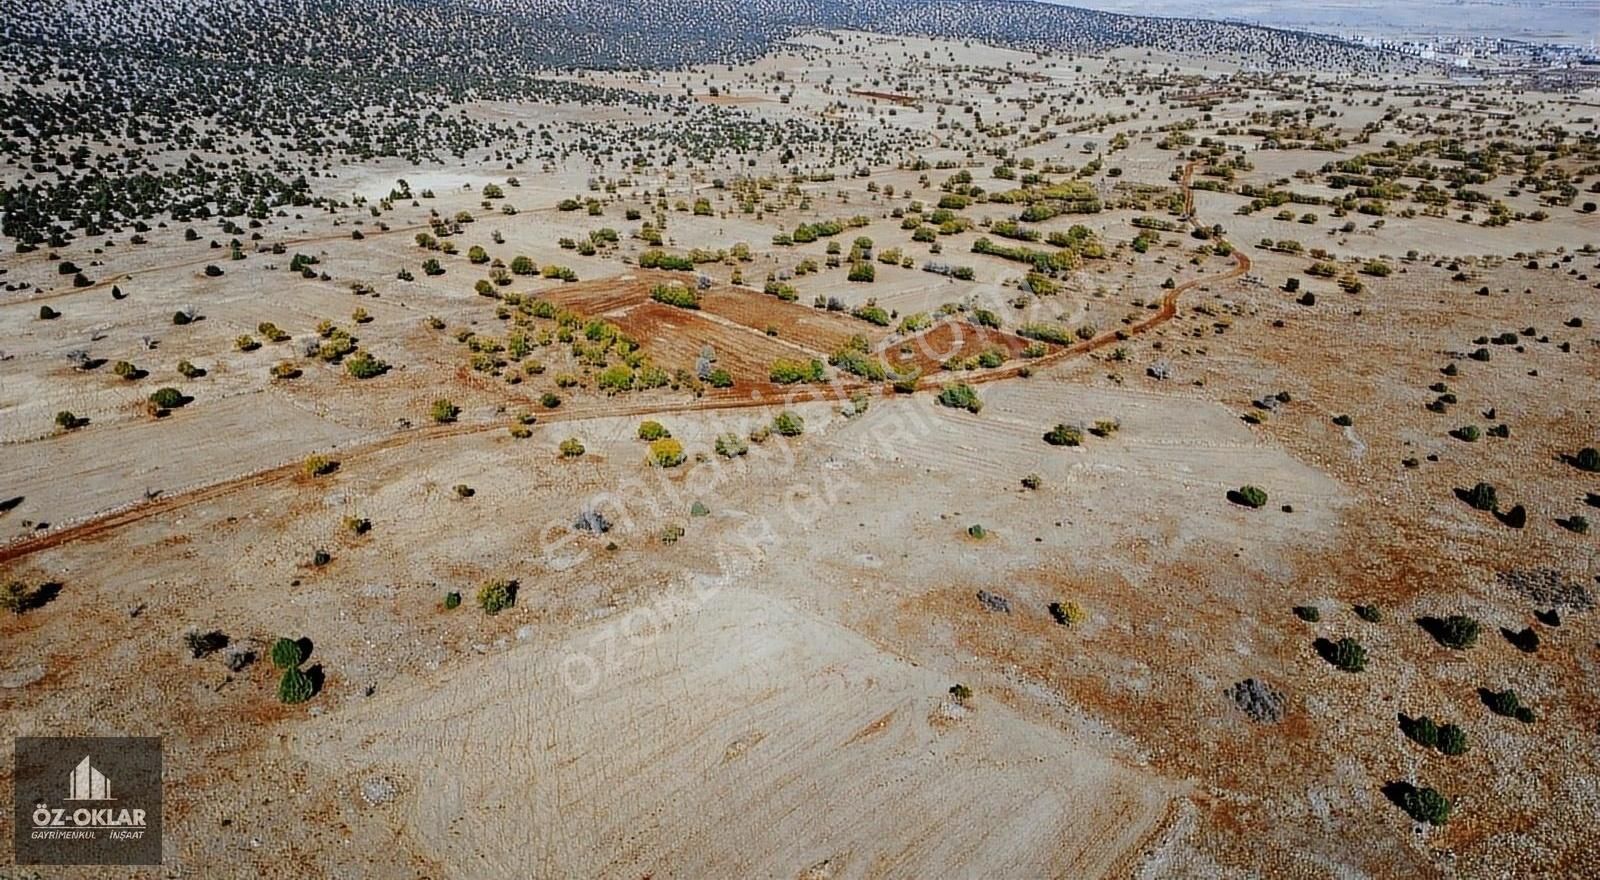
[
  {"x": 87, "y": 784},
  {"x": 63, "y": 808}
]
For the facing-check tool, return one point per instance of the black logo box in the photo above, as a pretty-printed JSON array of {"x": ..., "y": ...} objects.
[{"x": 50, "y": 827}]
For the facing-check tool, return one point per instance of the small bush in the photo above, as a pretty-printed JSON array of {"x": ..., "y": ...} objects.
[
  {"x": 319, "y": 466},
  {"x": 452, "y": 600},
  {"x": 1369, "y": 613},
  {"x": 977, "y": 532},
  {"x": 731, "y": 445},
  {"x": 1064, "y": 435},
  {"x": 1482, "y": 497},
  {"x": 571, "y": 448},
  {"x": 295, "y": 686},
  {"x": 652, "y": 431},
  {"x": 1105, "y": 427},
  {"x": 1248, "y": 496},
  {"x": 444, "y": 411},
  {"x": 496, "y": 596},
  {"x": 1587, "y": 459},
  {"x": 960, "y": 693},
  {"x": 364, "y": 366},
  {"x": 287, "y": 653},
  {"x": 15, "y": 597},
  {"x": 675, "y": 295},
  {"x": 1347, "y": 655},
  {"x": 788, "y": 424},
  {"x": 168, "y": 398},
  {"x": 666, "y": 453},
  {"x": 1506, "y": 704},
  {"x": 960, "y": 396},
  {"x": 1307, "y": 613},
  {"x": 1456, "y": 631},
  {"x": 786, "y": 371},
  {"x": 1452, "y": 740},
  {"x": 1424, "y": 805},
  {"x": 1032, "y": 481},
  {"x": 1068, "y": 613}
]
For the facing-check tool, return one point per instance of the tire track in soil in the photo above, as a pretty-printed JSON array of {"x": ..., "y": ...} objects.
[{"x": 752, "y": 396}]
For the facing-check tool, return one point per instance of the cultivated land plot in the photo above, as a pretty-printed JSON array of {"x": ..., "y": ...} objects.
[
  {"x": 674, "y": 337},
  {"x": 746, "y": 738}
]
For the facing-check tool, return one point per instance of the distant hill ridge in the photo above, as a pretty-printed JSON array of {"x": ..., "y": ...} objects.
[{"x": 521, "y": 36}]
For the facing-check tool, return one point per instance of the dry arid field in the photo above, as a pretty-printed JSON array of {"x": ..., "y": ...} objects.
[{"x": 872, "y": 451}]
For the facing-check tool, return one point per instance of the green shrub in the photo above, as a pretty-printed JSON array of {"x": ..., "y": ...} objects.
[
  {"x": 675, "y": 295},
  {"x": 1369, "y": 613},
  {"x": 1425, "y": 805},
  {"x": 960, "y": 396},
  {"x": 977, "y": 532},
  {"x": 1346, "y": 654},
  {"x": 452, "y": 600},
  {"x": 168, "y": 398},
  {"x": 788, "y": 424},
  {"x": 295, "y": 686},
  {"x": 1506, "y": 703},
  {"x": 364, "y": 366},
  {"x": 786, "y": 371},
  {"x": 730, "y": 445},
  {"x": 189, "y": 371},
  {"x": 67, "y": 421},
  {"x": 318, "y": 466},
  {"x": 571, "y": 448},
  {"x": 1307, "y": 613},
  {"x": 1068, "y": 613},
  {"x": 287, "y": 653},
  {"x": 1456, "y": 631},
  {"x": 653, "y": 430},
  {"x": 1587, "y": 459},
  {"x": 1249, "y": 496},
  {"x": 444, "y": 411},
  {"x": 495, "y": 596},
  {"x": 1064, "y": 435},
  {"x": 15, "y": 597},
  {"x": 1452, "y": 740},
  {"x": 666, "y": 452},
  {"x": 1482, "y": 497},
  {"x": 1421, "y": 731},
  {"x": 1032, "y": 481}
]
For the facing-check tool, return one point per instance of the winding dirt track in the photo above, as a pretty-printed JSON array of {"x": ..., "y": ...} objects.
[{"x": 137, "y": 512}]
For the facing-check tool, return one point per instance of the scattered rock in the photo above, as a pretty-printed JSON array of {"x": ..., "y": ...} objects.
[
  {"x": 994, "y": 602},
  {"x": 1548, "y": 587},
  {"x": 1259, "y": 700},
  {"x": 379, "y": 790},
  {"x": 239, "y": 655}
]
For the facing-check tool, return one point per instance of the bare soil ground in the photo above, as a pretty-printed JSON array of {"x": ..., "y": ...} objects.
[{"x": 762, "y": 686}]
